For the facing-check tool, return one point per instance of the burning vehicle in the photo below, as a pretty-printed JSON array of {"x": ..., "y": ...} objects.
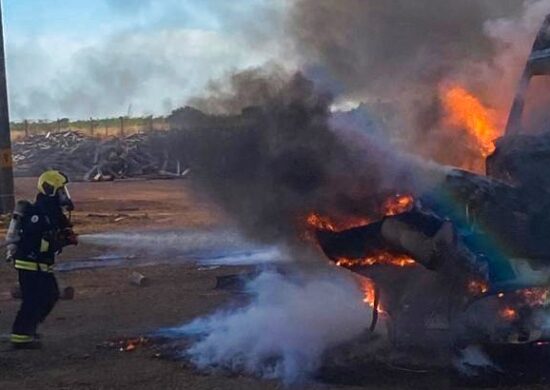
[
  {"x": 449, "y": 258},
  {"x": 467, "y": 262}
]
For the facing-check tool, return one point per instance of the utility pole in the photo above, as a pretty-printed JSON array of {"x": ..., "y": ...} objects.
[{"x": 7, "y": 199}]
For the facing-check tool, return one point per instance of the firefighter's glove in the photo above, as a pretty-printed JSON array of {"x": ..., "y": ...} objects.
[{"x": 67, "y": 237}]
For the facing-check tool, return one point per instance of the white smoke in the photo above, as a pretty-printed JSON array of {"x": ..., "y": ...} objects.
[
  {"x": 474, "y": 361},
  {"x": 285, "y": 330},
  {"x": 496, "y": 78},
  {"x": 141, "y": 69}
]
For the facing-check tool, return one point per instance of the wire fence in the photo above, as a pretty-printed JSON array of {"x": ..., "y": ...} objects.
[{"x": 98, "y": 128}]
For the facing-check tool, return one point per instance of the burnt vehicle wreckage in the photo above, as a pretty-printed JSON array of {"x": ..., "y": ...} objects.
[{"x": 467, "y": 263}]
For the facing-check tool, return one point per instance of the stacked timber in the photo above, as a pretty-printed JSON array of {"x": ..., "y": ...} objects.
[{"x": 91, "y": 159}]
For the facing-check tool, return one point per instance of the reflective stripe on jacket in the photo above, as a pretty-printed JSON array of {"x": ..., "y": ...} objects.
[{"x": 32, "y": 266}]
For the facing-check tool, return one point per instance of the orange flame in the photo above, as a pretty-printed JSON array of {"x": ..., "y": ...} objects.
[
  {"x": 465, "y": 111},
  {"x": 398, "y": 204},
  {"x": 531, "y": 297},
  {"x": 536, "y": 296},
  {"x": 508, "y": 313},
  {"x": 477, "y": 287},
  {"x": 318, "y": 222},
  {"x": 394, "y": 205},
  {"x": 321, "y": 223},
  {"x": 369, "y": 294},
  {"x": 383, "y": 258}
]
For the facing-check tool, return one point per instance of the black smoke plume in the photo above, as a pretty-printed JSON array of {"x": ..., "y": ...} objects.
[
  {"x": 277, "y": 159},
  {"x": 385, "y": 46},
  {"x": 402, "y": 51}
]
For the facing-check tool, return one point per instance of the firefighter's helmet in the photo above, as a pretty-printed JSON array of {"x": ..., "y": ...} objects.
[
  {"x": 50, "y": 182},
  {"x": 54, "y": 184}
]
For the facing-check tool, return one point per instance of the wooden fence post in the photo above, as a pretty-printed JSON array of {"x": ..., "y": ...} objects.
[
  {"x": 92, "y": 125},
  {"x": 121, "y": 126}
]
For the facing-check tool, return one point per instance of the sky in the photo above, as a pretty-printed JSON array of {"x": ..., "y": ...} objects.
[{"x": 104, "y": 58}]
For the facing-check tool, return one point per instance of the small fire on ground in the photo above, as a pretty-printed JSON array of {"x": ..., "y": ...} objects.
[{"x": 127, "y": 344}]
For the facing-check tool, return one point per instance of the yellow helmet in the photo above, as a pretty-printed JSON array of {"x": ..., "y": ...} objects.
[{"x": 52, "y": 181}]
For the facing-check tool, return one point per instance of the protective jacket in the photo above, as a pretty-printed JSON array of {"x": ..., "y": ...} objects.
[
  {"x": 37, "y": 232},
  {"x": 41, "y": 232}
]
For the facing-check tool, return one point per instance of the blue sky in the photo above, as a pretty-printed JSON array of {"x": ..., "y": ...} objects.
[
  {"x": 82, "y": 58},
  {"x": 25, "y": 18},
  {"x": 82, "y": 17}
]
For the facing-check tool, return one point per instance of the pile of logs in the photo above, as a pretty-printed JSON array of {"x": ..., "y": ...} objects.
[
  {"x": 91, "y": 159},
  {"x": 69, "y": 151}
]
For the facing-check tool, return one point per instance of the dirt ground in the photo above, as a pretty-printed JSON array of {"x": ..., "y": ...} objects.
[{"x": 107, "y": 307}]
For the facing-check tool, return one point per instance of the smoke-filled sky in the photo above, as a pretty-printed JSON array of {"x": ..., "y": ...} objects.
[{"x": 79, "y": 58}]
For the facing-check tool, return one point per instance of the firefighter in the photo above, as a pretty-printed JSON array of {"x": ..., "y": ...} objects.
[{"x": 38, "y": 231}]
